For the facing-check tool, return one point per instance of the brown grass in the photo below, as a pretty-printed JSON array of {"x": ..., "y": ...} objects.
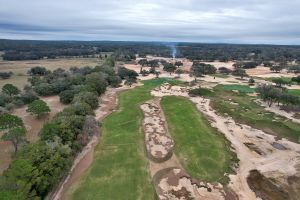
[{"x": 20, "y": 68}]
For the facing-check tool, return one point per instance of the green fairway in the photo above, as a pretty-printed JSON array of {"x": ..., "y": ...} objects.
[
  {"x": 119, "y": 169},
  {"x": 240, "y": 88},
  {"x": 203, "y": 151},
  {"x": 246, "y": 111}
]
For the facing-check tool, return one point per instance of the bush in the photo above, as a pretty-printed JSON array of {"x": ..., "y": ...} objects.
[
  {"x": 87, "y": 97},
  {"x": 127, "y": 73},
  {"x": 5, "y": 99},
  {"x": 44, "y": 89},
  {"x": 97, "y": 80},
  {"x": 200, "y": 92},
  {"x": 10, "y": 89},
  {"x": 29, "y": 96},
  {"x": 5, "y": 75},
  {"x": 40, "y": 71},
  {"x": 67, "y": 96}
]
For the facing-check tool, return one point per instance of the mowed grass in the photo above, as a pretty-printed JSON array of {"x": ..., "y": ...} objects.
[
  {"x": 240, "y": 88},
  {"x": 119, "y": 169},
  {"x": 245, "y": 110},
  {"x": 203, "y": 151}
]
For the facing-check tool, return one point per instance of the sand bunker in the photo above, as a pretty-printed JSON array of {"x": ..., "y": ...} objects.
[{"x": 159, "y": 145}]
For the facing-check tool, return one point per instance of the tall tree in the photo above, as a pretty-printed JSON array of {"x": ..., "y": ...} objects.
[
  {"x": 169, "y": 67},
  {"x": 16, "y": 136},
  {"x": 8, "y": 121},
  {"x": 38, "y": 108}
]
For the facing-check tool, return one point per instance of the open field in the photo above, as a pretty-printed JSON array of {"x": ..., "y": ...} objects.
[
  {"x": 20, "y": 68},
  {"x": 119, "y": 169},
  {"x": 243, "y": 109},
  {"x": 203, "y": 151}
]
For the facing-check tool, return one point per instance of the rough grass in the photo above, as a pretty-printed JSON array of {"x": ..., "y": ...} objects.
[
  {"x": 294, "y": 92},
  {"x": 246, "y": 111},
  {"x": 220, "y": 75},
  {"x": 203, "y": 151},
  {"x": 240, "y": 88},
  {"x": 119, "y": 169}
]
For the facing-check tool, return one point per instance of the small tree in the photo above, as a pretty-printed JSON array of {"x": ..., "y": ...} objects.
[
  {"x": 239, "y": 72},
  {"x": 178, "y": 63},
  {"x": 10, "y": 89},
  {"x": 8, "y": 121},
  {"x": 277, "y": 68},
  {"x": 169, "y": 67},
  {"x": 251, "y": 81},
  {"x": 179, "y": 72},
  {"x": 157, "y": 73},
  {"x": 38, "y": 108},
  {"x": 280, "y": 81},
  {"x": 16, "y": 136}
]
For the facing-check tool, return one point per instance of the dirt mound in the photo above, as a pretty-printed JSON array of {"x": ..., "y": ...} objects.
[
  {"x": 274, "y": 188},
  {"x": 175, "y": 183}
]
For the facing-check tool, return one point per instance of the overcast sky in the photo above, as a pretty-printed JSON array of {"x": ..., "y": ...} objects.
[{"x": 226, "y": 21}]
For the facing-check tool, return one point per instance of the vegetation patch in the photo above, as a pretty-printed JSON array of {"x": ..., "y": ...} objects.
[
  {"x": 294, "y": 92},
  {"x": 200, "y": 92},
  {"x": 203, "y": 151},
  {"x": 240, "y": 88},
  {"x": 247, "y": 111}
]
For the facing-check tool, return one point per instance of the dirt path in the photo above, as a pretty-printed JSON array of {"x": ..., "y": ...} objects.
[
  {"x": 255, "y": 149},
  {"x": 108, "y": 102}
]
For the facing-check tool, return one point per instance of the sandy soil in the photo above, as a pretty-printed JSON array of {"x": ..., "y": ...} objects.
[
  {"x": 33, "y": 126},
  {"x": 255, "y": 149}
]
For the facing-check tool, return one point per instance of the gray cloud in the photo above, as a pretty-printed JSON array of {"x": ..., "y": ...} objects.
[{"x": 234, "y": 21}]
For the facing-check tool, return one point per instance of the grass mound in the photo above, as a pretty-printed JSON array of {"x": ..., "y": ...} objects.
[
  {"x": 203, "y": 151},
  {"x": 200, "y": 92}
]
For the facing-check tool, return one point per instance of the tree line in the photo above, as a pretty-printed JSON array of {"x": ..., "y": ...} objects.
[{"x": 272, "y": 94}]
